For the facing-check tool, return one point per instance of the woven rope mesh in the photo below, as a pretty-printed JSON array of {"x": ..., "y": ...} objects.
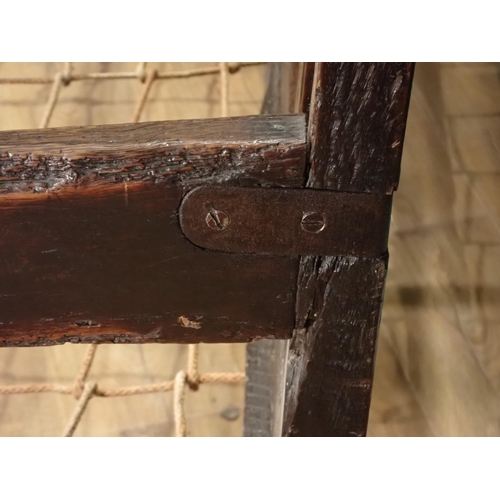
[{"x": 125, "y": 390}]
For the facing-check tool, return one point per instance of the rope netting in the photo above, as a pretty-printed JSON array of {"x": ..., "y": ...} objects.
[{"x": 83, "y": 389}]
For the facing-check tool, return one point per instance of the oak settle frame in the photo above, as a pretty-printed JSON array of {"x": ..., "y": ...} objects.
[{"x": 96, "y": 251}]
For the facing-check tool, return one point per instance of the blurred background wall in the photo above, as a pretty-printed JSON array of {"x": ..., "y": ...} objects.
[{"x": 438, "y": 364}]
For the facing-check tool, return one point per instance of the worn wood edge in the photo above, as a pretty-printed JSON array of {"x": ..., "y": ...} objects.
[
  {"x": 262, "y": 150},
  {"x": 116, "y": 333},
  {"x": 76, "y": 141}
]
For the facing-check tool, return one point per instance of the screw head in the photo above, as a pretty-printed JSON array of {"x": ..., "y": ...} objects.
[
  {"x": 217, "y": 219},
  {"x": 313, "y": 222}
]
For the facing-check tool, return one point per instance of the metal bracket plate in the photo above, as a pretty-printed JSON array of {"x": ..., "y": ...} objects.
[{"x": 286, "y": 221}]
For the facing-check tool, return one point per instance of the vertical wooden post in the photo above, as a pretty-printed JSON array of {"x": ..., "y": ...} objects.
[{"x": 356, "y": 130}]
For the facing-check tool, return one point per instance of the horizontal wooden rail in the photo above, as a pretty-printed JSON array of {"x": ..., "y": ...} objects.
[{"x": 90, "y": 244}]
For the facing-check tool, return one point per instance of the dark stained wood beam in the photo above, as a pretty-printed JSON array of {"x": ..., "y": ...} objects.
[
  {"x": 90, "y": 244},
  {"x": 250, "y": 150},
  {"x": 356, "y": 130}
]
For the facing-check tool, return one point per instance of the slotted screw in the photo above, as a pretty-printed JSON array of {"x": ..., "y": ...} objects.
[
  {"x": 217, "y": 219},
  {"x": 313, "y": 222}
]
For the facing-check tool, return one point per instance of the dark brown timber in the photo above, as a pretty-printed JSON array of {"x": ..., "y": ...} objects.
[
  {"x": 91, "y": 249},
  {"x": 356, "y": 129},
  {"x": 251, "y": 150}
]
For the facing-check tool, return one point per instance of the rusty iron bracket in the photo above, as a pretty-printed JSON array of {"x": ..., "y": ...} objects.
[{"x": 286, "y": 221}]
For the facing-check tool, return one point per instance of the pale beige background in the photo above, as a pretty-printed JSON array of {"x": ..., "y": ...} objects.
[
  {"x": 438, "y": 369},
  {"x": 438, "y": 364}
]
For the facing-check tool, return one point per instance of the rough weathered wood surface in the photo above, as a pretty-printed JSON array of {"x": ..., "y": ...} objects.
[
  {"x": 249, "y": 150},
  {"x": 91, "y": 249},
  {"x": 356, "y": 130},
  {"x": 357, "y": 125}
]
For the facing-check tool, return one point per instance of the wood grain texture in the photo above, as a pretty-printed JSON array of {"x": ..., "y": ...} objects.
[
  {"x": 91, "y": 245},
  {"x": 356, "y": 129},
  {"x": 330, "y": 363},
  {"x": 250, "y": 150},
  {"x": 357, "y": 125}
]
